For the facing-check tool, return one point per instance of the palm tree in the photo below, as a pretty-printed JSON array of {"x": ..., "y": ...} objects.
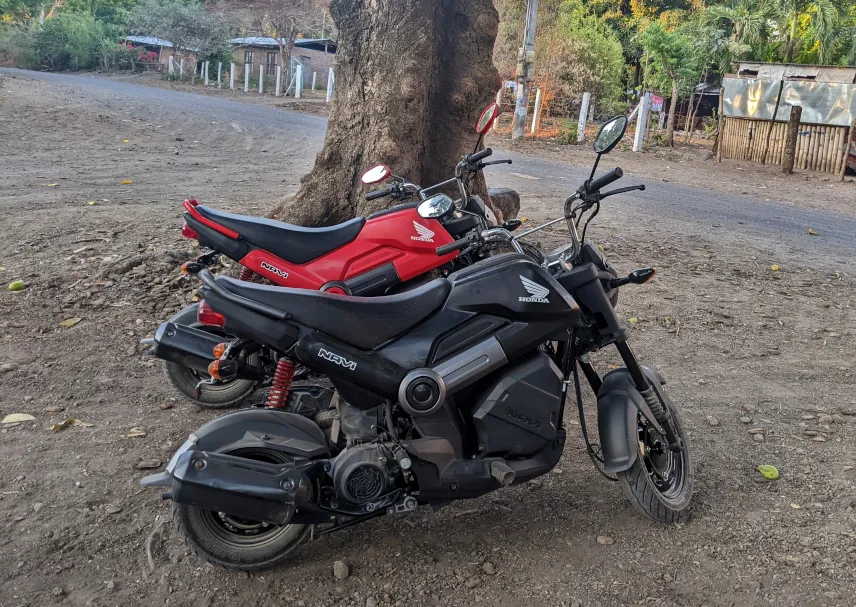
[
  {"x": 823, "y": 15},
  {"x": 749, "y": 20}
]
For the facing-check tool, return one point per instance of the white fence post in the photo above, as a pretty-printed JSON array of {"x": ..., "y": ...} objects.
[
  {"x": 642, "y": 122},
  {"x": 584, "y": 110},
  {"x": 314, "y": 80},
  {"x": 232, "y": 76},
  {"x": 246, "y": 77},
  {"x": 205, "y": 67},
  {"x": 298, "y": 84},
  {"x": 261, "y": 79},
  {"x": 219, "y": 71},
  {"x": 181, "y": 70},
  {"x": 499, "y": 103},
  {"x": 278, "y": 80},
  {"x": 171, "y": 65},
  {"x": 331, "y": 81},
  {"x": 536, "y": 119}
]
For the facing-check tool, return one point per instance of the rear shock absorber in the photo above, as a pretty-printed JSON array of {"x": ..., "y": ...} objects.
[
  {"x": 281, "y": 384},
  {"x": 247, "y": 275}
]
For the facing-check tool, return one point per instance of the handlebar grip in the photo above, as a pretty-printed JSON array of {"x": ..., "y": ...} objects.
[
  {"x": 453, "y": 246},
  {"x": 480, "y": 155},
  {"x": 603, "y": 181},
  {"x": 379, "y": 193}
]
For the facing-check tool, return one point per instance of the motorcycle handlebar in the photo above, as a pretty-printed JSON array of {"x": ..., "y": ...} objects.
[
  {"x": 603, "y": 181},
  {"x": 380, "y": 193},
  {"x": 453, "y": 246},
  {"x": 480, "y": 155}
]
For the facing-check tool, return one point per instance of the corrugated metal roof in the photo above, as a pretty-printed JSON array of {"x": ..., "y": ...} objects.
[
  {"x": 267, "y": 41},
  {"x": 150, "y": 40}
]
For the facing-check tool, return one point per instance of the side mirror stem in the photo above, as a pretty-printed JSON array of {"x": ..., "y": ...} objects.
[{"x": 594, "y": 168}]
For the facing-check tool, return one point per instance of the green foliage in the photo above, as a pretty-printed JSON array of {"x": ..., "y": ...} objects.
[
  {"x": 567, "y": 134},
  {"x": 674, "y": 57},
  {"x": 185, "y": 23}
]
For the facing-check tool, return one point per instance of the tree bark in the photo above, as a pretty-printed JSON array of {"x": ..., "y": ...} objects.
[
  {"x": 673, "y": 112},
  {"x": 791, "y": 140},
  {"x": 412, "y": 77}
]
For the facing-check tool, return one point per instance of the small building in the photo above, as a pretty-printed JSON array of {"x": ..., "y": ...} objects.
[
  {"x": 758, "y": 99},
  {"x": 316, "y": 55},
  {"x": 164, "y": 49}
]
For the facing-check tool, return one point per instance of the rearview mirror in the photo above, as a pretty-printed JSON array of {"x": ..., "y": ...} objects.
[
  {"x": 487, "y": 118},
  {"x": 610, "y": 134},
  {"x": 435, "y": 207},
  {"x": 376, "y": 174}
]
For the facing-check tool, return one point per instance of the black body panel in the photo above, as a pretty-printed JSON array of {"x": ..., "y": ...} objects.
[
  {"x": 467, "y": 334},
  {"x": 373, "y": 282},
  {"x": 519, "y": 414},
  {"x": 252, "y": 325},
  {"x": 585, "y": 284},
  {"x": 289, "y": 242},
  {"x": 212, "y": 239},
  {"x": 361, "y": 322}
]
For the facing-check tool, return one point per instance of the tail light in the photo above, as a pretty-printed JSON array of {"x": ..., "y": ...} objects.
[
  {"x": 189, "y": 232},
  {"x": 207, "y": 316}
]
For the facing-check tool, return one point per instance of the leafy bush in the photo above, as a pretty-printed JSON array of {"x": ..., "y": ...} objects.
[{"x": 567, "y": 134}]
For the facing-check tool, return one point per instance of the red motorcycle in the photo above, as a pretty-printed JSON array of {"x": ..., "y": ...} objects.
[{"x": 387, "y": 252}]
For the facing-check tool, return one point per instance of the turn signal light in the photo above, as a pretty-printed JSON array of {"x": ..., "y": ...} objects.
[
  {"x": 206, "y": 315},
  {"x": 214, "y": 370},
  {"x": 219, "y": 350}
]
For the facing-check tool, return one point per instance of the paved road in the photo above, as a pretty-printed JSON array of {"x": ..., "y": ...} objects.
[{"x": 689, "y": 209}]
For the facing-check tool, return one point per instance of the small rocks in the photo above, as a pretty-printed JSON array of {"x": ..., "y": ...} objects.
[
  {"x": 831, "y": 595},
  {"x": 668, "y": 578},
  {"x": 111, "y": 585},
  {"x": 838, "y": 419},
  {"x": 605, "y": 540},
  {"x": 806, "y": 541},
  {"x": 148, "y": 464},
  {"x": 341, "y": 570},
  {"x": 758, "y": 438},
  {"x": 54, "y": 409},
  {"x": 38, "y": 506},
  {"x": 712, "y": 421},
  {"x": 8, "y": 367},
  {"x": 746, "y": 420},
  {"x": 808, "y": 416},
  {"x": 112, "y": 509},
  {"x": 108, "y": 382},
  {"x": 57, "y": 591},
  {"x": 824, "y": 420},
  {"x": 165, "y": 406},
  {"x": 472, "y": 582},
  {"x": 371, "y": 602},
  {"x": 489, "y": 568}
]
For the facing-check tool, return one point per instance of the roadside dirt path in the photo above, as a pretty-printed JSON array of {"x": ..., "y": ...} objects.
[{"x": 748, "y": 352}]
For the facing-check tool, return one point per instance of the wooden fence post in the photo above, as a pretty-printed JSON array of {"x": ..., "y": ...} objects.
[
  {"x": 261, "y": 79},
  {"x": 584, "y": 108},
  {"x": 536, "y": 118},
  {"x": 772, "y": 123},
  {"x": 849, "y": 135},
  {"x": 246, "y": 77},
  {"x": 278, "y": 80},
  {"x": 791, "y": 139},
  {"x": 720, "y": 127}
]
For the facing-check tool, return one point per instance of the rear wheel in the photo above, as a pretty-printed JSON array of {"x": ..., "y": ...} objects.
[
  {"x": 660, "y": 482},
  {"x": 236, "y": 543},
  {"x": 185, "y": 379}
]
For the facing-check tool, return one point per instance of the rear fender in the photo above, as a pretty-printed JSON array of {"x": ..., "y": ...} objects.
[
  {"x": 288, "y": 433},
  {"x": 618, "y": 406}
]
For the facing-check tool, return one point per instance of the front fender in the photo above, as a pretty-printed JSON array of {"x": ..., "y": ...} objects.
[
  {"x": 288, "y": 433},
  {"x": 618, "y": 405}
]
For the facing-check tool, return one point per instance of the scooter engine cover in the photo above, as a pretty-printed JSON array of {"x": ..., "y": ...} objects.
[{"x": 519, "y": 414}]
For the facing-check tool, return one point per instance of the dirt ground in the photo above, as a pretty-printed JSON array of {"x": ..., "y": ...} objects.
[{"x": 761, "y": 362}]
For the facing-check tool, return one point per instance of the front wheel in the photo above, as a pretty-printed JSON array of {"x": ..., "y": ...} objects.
[
  {"x": 235, "y": 543},
  {"x": 660, "y": 482}
]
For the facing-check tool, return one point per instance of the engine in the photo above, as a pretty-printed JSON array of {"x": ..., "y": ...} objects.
[{"x": 360, "y": 474}]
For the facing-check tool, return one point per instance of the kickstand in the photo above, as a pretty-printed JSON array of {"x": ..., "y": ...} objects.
[{"x": 593, "y": 450}]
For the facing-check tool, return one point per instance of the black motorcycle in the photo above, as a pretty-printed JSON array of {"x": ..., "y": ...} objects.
[{"x": 448, "y": 391}]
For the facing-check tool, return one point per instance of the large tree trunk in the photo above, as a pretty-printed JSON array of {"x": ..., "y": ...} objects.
[
  {"x": 412, "y": 77},
  {"x": 673, "y": 112}
]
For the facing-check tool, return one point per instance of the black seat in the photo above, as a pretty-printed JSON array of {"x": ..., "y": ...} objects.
[
  {"x": 289, "y": 242},
  {"x": 363, "y": 322}
]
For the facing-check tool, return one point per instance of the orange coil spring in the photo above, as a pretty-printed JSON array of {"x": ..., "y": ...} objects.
[
  {"x": 281, "y": 384},
  {"x": 247, "y": 275}
]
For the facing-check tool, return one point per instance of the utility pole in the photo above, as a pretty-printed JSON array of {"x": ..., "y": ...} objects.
[{"x": 525, "y": 67}]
